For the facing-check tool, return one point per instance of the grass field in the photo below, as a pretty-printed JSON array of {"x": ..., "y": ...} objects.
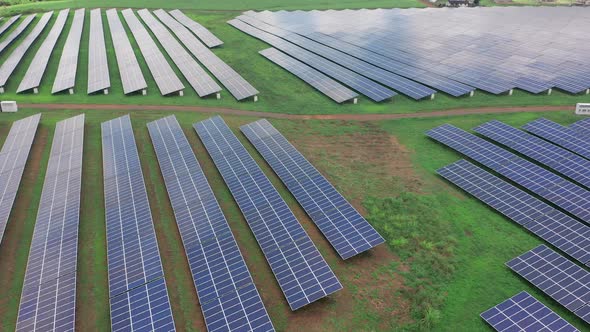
[{"x": 443, "y": 263}]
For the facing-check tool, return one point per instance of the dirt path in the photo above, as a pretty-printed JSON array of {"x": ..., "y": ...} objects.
[{"x": 345, "y": 117}]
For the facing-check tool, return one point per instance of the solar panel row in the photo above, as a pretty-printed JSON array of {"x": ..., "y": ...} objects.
[
  {"x": 98, "y": 67},
  {"x": 200, "y": 31},
  {"x": 548, "y": 223},
  {"x": 192, "y": 71},
  {"x": 329, "y": 87},
  {"x": 522, "y": 312},
  {"x": 581, "y": 128},
  {"x": 13, "y": 158},
  {"x": 34, "y": 74},
  {"x": 568, "y": 138},
  {"x": 68, "y": 64},
  {"x": 138, "y": 295},
  {"x": 564, "y": 281},
  {"x": 19, "y": 52},
  {"x": 228, "y": 297},
  {"x": 229, "y": 78},
  {"x": 561, "y": 192},
  {"x": 163, "y": 74},
  {"x": 345, "y": 228},
  {"x": 302, "y": 273},
  {"x": 48, "y": 298},
  {"x": 548, "y": 154},
  {"x": 16, "y": 32}
]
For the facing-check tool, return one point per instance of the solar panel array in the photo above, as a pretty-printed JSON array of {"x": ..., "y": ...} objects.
[
  {"x": 129, "y": 70},
  {"x": 229, "y": 78},
  {"x": 522, "y": 312},
  {"x": 19, "y": 52},
  {"x": 8, "y": 23},
  {"x": 581, "y": 128},
  {"x": 228, "y": 297},
  {"x": 13, "y": 158},
  {"x": 492, "y": 49},
  {"x": 548, "y": 223},
  {"x": 343, "y": 226},
  {"x": 319, "y": 81},
  {"x": 346, "y": 76},
  {"x": 68, "y": 63},
  {"x": 200, "y": 31},
  {"x": 548, "y": 154},
  {"x": 37, "y": 67},
  {"x": 561, "y": 192},
  {"x": 564, "y": 281},
  {"x": 98, "y": 67},
  {"x": 163, "y": 74},
  {"x": 192, "y": 71},
  {"x": 16, "y": 32},
  {"x": 137, "y": 289},
  {"x": 48, "y": 298},
  {"x": 568, "y": 138},
  {"x": 301, "y": 271}
]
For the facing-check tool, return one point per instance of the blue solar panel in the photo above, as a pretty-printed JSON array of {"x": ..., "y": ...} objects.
[
  {"x": 581, "y": 127},
  {"x": 13, "y": 158},
  {"x": 229, "y": 299},
  {"x": 564, "y": 281},
  {"x": 548, "y": 223},
  {"x": 48, "y": 299},
  {"x": 570, "y": 138},
  {"x": 132, "y": 249},
  {"x": 548, "y": 154},
  {"x": 345, "y": 228},
  {"x": 522, "y": 312},
  {"x": 563, "y": 193},
  {"x": 301, "y": 271}
]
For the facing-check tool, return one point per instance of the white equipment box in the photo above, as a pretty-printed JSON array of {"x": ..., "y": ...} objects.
[
  {"x": 582, "y": 109},
  {"x": 8, "y": 106}
]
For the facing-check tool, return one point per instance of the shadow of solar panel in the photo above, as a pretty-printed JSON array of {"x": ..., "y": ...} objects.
[
  {"x": 229, "y": 78},
  {"x": 16, "y": 32},
  {"x": 37, "y": 67},
  {"x": 193, "y": 73},
  {"x": 564, "y": 281},
  {"x": 301, "y": 271},
  {"x": 163, "y": 74},
  {"x": 522, "y": 312},
  {"x": 200, "y": 31},
  {"x": 561, "y": 192},
  {"x": 98, "y": 68},
  {"x": 229, "y": 300},
  {"x": 48, "y": 299},
  {"x": 13, "y": 158},
  {"x": 345, "y": 228},
  {"x": 548, "y": 223},
  {"x": 570, "y": 138},
  {"x": 548, "y": 154},
  {"x": 68, "y": 63}
]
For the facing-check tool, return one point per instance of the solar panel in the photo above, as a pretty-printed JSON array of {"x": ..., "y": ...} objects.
[
  {"x": 345, "y": 76},
  {"x": 19, "y": 52},
  {"x": 129, "y": 70},
  {"x": 192, "y": 71},
  {"x": 522, "y": 312},
  {"x": 68, "y": 63},
  {"x": 568, "y": 138},
  {"x": 564, "y": 281},
  {"x": 13, "y": 158},
  {"x": 581, "y": 127},
  {"x": 329, "y": 87},
  {"x": 200, "y": 31},
  {"x": 98, "y": 67},
  {"x": 8, "y": 23},
  {"x": 559, "y": 191},
  {"x": 48, "y": 298},
  {"x": 301, "y": 271},
  {"x": 16, "y": 32},
  {"x": 548, "y": 154},
  {"x": 229, "y": 78},
  {"x": 34, "y": 74},
  {"x": 229, "y": 299},
  {"x": 137, "y": 290},
  {"x": 345, "y": 228},
  {"x": 398, "y": 83},
  {"x": 548, "y": 223},
  {"x": 163, "y": 74}
]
